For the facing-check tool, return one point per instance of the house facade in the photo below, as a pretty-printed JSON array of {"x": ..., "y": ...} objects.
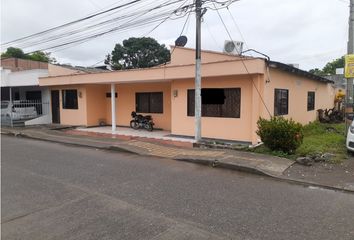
[
  {"x": 20, "y": 87},
  {"x": 236, "y": 91}
]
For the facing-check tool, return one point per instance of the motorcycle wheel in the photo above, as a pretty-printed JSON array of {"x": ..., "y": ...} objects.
[
  {"x": 149, "y": 127},
  {"x": 134, "y": 124}
]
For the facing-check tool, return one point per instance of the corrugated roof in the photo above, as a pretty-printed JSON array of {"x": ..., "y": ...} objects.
[
  {"x": 294, "y": 70},
  {"x": 83, "y": 69}
]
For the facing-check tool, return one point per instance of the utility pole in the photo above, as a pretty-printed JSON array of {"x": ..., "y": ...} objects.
[
  {"x": 349, "y": 94},
  {"x": 198, "y": 98}
]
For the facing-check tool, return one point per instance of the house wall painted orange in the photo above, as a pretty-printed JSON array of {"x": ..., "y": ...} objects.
[
  {"x": 298, "y": 88},
  {"x": 213, "y": 127},
  {"x": 76, "y": 117},
  {"x": 125, "y": 103},
  {"x": 256, "y": 80}
]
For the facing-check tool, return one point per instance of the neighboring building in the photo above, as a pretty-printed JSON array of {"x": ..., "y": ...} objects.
[
  {"x": 19, "y": 79},
  {"x": 339, "y": 81},
  {"x": 236, "y": 93}
]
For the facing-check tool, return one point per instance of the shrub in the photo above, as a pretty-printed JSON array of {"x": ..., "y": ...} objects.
[{"x": 280, "y": 134}]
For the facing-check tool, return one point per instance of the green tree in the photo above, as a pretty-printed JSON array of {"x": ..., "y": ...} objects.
[
  {"x": 13, "y": 52},
  {"x": 42, "y": 57},
  {"x": 329, "y": 68},
  {"x": 35, "y": 56},
  {"x": 138, "y": 53}
]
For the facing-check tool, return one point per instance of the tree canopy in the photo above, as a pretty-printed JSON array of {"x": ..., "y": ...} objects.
[
  {"x": 329, "y": 68},
  {"x": 35, "y": 56},
  {"x": 138, "y": 53}
]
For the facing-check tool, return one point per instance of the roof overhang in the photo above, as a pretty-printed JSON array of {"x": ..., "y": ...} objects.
[
  {"x": 161, "y": 73},
  {"x": 297, "y": 71}
]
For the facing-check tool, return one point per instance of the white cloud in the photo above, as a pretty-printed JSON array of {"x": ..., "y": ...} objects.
[{"x": 308, "y": 32}]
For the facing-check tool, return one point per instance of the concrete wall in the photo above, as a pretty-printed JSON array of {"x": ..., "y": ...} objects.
[
  {"x": 76, "y": 117},
  {"x": 126, "y": 103},
  {"x": 298, "y": 88},
  {"x": 16, "y": 64},
  {"x": 238, "y": 129},
  {"x": 96, "y": 104},
  {"x": 183, "y": 56},
  {"x": 22, "y": 78}
]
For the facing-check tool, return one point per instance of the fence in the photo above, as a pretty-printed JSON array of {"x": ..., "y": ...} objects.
[{"x": 17, "y": 112}]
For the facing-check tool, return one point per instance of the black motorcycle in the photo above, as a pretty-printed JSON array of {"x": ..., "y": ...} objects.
[{"x": 140, "y": 121}]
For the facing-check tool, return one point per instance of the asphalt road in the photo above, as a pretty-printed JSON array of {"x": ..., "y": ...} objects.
[{"x": 52, "y": 191}]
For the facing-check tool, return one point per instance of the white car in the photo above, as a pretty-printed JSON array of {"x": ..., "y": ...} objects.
[
  {"x": 350, "y": 138},
  {"x": 17, "y": 111}
]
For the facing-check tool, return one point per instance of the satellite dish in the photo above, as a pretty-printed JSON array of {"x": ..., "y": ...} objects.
[{"x": 181, "y": 41}]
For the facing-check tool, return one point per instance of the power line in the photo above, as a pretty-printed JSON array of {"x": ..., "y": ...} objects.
[
  {"x": 73, "y": 22},
  {"x": 159, "y": 24},
  {"x": 245, "y": 66},
  {"x": 94, "y": 27},
  {"x": 237, "y": 27},
  {"x": 132, "y": 23},
  {"x": 86, "y": 33},
  {"x": 164, "y": 20}
]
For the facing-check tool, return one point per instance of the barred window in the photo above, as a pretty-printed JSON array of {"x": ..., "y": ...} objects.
[
  {"x": 149, "y": 102},
  {"x": 69, "y": 97},
  {"x": 217, "y": 102},
  {"x": 281, "y": 102},
  {"x": 310, "y": 101}
]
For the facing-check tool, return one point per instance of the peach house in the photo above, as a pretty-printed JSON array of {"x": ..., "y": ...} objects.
[{"x": 236, "y": 91}]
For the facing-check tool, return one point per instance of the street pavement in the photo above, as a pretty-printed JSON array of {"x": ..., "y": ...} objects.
[{"x": 53, "y": 191}]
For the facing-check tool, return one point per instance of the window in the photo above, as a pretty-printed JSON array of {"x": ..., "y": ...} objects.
[
  {"x": 217, "y": 102},
  {"x": 69, "y": 97},
  {"x": 310, "y": 101},
  {"x": 150, "y": 102},
  {"x": 281, "y": 102}
]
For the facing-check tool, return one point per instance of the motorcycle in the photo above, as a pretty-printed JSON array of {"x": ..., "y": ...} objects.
[{"x": 140, "y": 121}]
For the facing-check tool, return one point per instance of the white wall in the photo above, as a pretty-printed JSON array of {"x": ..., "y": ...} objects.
[{"x": 22, "y": 78}]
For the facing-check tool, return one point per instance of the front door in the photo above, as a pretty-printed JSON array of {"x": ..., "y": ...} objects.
[{"x": 55, "y": 106}]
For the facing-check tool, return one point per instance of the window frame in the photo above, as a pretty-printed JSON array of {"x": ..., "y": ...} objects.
[
  {"x": 222, "y": 109},
  {"x": 64, "y": 100},
  {"x": 311, "y": 104},
  {"x": 150, "y": 101},
  {"x": 278, "y": 108}
]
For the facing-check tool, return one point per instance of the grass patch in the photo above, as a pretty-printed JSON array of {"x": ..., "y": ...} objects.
[{"x": 318, "y": 138}]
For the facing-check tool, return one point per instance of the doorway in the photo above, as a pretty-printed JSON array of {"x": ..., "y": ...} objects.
[{"x": 55, "y": 106}]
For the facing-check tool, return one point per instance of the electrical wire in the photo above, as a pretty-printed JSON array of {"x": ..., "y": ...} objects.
[
  {"x": 156, "y": 28},
  {"x": 71, "y": 37},
  {"x": 237, "y": 27},
  {"x": 244, "y": 64},
  {"x": 135, "y": 22},
  {"x": 91, "y": 28},
  {"x": 164, "y": 20},
  {"x": 73, "y": 22}
]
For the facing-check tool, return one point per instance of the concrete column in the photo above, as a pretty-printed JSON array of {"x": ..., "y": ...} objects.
[
  {"x": 113, "y": 105},
  {"x": 11, "y": 104}
]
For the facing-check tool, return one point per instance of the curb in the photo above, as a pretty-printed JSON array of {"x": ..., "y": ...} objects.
[
  {"x": 216, "y": 164},
  {"x": 212, "y": 163},
  {"x": 109, "y": 148}
]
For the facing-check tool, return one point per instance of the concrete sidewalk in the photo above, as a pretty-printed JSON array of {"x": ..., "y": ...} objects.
[
  {"x": 230, "y": 159},
  {"x": 246, "y": 161}
]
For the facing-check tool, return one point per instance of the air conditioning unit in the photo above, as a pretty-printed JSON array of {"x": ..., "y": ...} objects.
[{"x": 233, "y": 47}]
